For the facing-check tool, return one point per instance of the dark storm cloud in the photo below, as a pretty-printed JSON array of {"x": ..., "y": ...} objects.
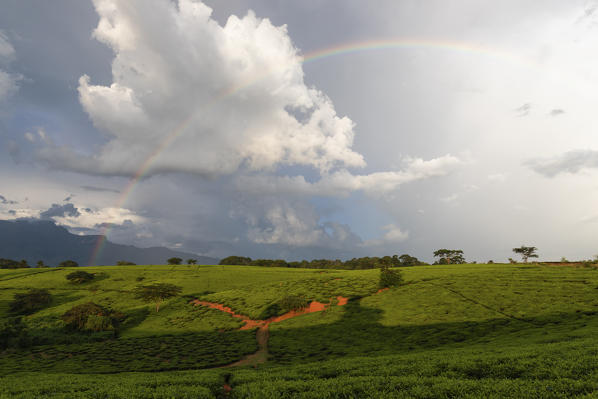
[
  {"x": 569, "y": 162},
  {"x": 5, "y": 201},
  {"x": 57, "y": 210}
]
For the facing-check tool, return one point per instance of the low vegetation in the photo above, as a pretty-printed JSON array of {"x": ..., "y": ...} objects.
[{"x": 458, "y": 330}]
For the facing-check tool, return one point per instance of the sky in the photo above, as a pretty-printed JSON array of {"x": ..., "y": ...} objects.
[{"x": 303, "y": 130}]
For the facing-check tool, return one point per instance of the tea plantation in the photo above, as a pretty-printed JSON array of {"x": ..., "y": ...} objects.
[{"x": 498, "y": 330}]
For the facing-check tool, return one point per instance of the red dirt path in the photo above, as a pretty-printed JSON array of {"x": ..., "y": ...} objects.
[{"x": 262, "y": 333}]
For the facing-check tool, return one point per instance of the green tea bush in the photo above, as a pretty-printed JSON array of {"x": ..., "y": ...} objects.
[
  {"x": 30, "y": 302},
  {"x": 293, "y": 302},
  {"x": 389, "y": 278},
  {"x": 79, "y": 277}
]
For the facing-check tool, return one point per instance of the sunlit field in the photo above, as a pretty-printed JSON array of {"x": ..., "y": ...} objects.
[{"x": 448, "y": 331}]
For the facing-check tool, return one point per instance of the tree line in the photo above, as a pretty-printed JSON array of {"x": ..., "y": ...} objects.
[{"x": 367, "y": 262}]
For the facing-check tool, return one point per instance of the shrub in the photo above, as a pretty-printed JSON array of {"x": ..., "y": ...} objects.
[
  {"x": 91, "y": 317},
  {"x": 389, "y": 278},
  {"x": 293, "y": 302},
  {"x": 124, "y": 263},
  {"x": 13, "y": 333},
  {"x": 30, "y": 302},
  {"x": 79, "y": 277}
]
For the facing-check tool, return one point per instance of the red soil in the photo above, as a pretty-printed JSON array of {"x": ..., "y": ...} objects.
[
  {"x": 381, "y": 290},
  {"x": 262, "y": 333}
]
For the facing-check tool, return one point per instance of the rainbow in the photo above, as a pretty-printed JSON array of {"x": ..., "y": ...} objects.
[{"x": 343, "y": 49}]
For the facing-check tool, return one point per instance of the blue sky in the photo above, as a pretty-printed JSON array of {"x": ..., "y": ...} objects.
[{"x": 482, "y": 140}]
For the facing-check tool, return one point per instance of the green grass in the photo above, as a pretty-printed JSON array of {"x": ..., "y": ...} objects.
[{"x": 451, "y": 331}]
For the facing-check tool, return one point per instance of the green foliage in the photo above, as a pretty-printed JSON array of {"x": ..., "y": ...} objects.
[
  {"x": 352, "y": 264},
  {"x": 91, "y": 317},
  {"x": 79, "y": 277},
  {"x": 13, "y": 264},
  {"x": 13, "y": 333},
  {"x": 235, "y": 260},
  {"x": 449, "y": 256},
  {"x": 125, "y": 263},
  {"x": 68, "y": 263},
  {"x": 389, "y": 278},
  {"x": 40, "y": 264},
  {"x": 293, "y": 302},
  {"x": 157, "y": 292},
  {"x": 526, "y": 252},
  {"x": 30, "y": 301},
  {"x": 191, "y": 261},
  {"x": 174, "y": 261}
]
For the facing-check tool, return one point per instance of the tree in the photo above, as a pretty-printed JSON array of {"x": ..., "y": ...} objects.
[
  {"x": 40, "y": 263},
  {"x": 191, "y": 261},
  {"x": 68, "y": 263},
  {"x": 235, "y": 260},
  {"x": 91, "y": 317},
  {"x": 449, "y": 256},
  {"x": 156, "y": 292},
  {"x": 79, "y": 277},
  {"x": 389, "y": 278},
  {"x": 174, "y": 261},
  {"x": 526, "y": 252},
  {"x": 30, "y": 302},
  {"x": 124, "y": 263}
]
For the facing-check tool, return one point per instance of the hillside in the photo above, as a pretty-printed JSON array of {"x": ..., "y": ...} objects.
[
  {"x": 44, "y": 240},
  {"x": 449, "y": 331}
]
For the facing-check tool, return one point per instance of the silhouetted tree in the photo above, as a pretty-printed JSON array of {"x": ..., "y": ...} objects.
[
  {"x": 526, "y": 252},
  {"x": 174, "y": 261},
  {"x": 68, "y": 263},
  {"x": 235, "y": 260},
  {"x": 124, "y": 263},
  {"x": 191, "y": 261}
]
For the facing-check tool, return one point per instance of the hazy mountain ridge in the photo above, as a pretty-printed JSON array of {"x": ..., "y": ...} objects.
[{"x": 44, "y": 240}]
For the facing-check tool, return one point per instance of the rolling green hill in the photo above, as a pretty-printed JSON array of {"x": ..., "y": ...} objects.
[{"x": 450, "y": 331}]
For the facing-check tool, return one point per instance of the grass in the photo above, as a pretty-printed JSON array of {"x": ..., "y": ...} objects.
[{"x": 451, "y": 331}]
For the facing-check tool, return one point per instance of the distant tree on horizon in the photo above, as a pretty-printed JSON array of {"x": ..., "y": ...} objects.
[
  {"x": 174, "y": 261},
  {"x": 449, "y": 256},
  {"x": 191, "y": 261},
  {"x": 68, "y": 263},
  {"x": 125, "y": 263},
  {"x": 526, "y": 252}
]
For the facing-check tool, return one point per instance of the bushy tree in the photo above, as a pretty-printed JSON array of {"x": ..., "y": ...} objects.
[
  {"x": 79, "y": 277},
  {"x": 30, "y": 301},
  {"x": 174, "y": 261},
  {"x": 124, "y": 263},
  {"x": 157, "y": 292},
  {"x": 389, "y": 278},
  {"x": 449, "y": 256},
  {"x": 235, "y": 260},
  {"x": 68, "y": 263},
  {"x": 191, "y": 261},
  {"x": 40, "y": 264},
  {"x": 13, "y": 264},
  {"x": 526, "y": 252},
  {"x": 91, "y": 317}
]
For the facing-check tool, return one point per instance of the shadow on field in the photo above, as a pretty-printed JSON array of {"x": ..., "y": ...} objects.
[{"x": 359, "y": 333}]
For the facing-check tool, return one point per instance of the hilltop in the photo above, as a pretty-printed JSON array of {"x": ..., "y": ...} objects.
[
  {"x": 499, "y": 330},
  {"x": 44, "y": 240}
]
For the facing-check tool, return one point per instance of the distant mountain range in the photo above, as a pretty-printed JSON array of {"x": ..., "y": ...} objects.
[{"x": 44, "y": 240}]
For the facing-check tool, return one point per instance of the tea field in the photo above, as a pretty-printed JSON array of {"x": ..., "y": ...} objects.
[{"x": 498, "y": 330}]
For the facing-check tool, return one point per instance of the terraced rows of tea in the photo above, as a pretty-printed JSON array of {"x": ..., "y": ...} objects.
[{"x": 448, "y": 331}]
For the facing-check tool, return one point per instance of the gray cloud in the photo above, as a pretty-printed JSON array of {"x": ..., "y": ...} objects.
[
  {"x": 569, "y": 162},
  {"x": 57, "y": 210},
  {"x": 556, "y": 112},
  {"x": 4, "y": 201},
  {"x": 100, "y": 189}
]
